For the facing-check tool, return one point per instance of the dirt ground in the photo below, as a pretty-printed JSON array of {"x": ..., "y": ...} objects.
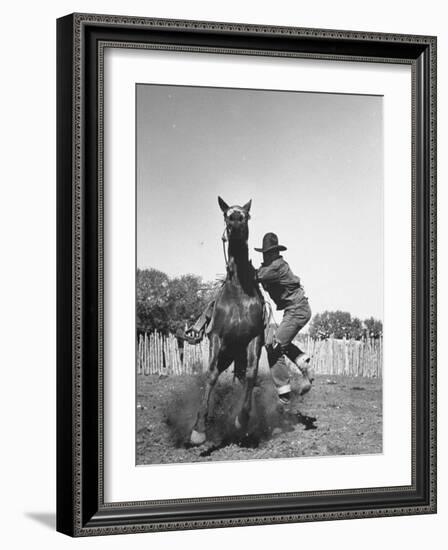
[{"x": 347, "y": 413}]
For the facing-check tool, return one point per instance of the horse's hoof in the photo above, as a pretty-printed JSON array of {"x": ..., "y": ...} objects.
[
  {"x": 237, "y": 423},
  {"x": 197, "y": 438},
  {"x": 305, "y": 388}
]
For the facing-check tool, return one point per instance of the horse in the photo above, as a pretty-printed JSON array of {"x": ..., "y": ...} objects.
[{"x": 236, "y": 329}]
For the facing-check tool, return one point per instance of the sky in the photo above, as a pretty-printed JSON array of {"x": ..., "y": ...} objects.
[{"x": 312, "y": 164}]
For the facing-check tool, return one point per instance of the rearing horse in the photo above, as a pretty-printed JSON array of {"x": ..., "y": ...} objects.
[{"x": 236, "y": 330}]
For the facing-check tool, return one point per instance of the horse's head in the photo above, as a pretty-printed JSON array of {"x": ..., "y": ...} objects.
[{"x": 236, "y": 219}]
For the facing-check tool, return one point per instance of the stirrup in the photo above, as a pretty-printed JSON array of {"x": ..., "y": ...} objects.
[{"x": 195, "y": 338}]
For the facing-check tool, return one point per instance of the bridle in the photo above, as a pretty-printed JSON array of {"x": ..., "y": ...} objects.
[{"x": 225, "y": 239}]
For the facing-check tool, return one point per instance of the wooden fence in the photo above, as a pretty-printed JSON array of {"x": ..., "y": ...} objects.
[
  {"x": 347, "y": 357},
  {"x": 159, "y": 354}
]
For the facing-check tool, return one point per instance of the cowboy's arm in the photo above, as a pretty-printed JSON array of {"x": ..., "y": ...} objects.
[{"x": 268, "y": 274}]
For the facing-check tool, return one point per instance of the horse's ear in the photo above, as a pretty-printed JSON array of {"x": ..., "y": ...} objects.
[
  {"x": 223, "y": 205},
  {"x": 247, "y": 206}
]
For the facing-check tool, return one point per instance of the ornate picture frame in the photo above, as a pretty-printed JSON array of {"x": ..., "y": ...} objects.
[{"x": 81, "y": 506}]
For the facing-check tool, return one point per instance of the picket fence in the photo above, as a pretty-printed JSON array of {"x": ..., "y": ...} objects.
[
  {"x": 162, "y": 355},
  {"x": 346, "y": 357}
]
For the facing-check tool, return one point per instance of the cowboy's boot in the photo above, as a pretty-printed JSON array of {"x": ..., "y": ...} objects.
[{"x": 274, "y": 352}]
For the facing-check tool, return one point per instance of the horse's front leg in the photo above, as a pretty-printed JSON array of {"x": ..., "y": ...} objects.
[
  {"x": 198, "y": 435},
  {"x": 253, "y": 357}
]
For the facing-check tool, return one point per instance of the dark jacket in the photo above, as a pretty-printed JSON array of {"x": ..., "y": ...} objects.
[{"x": 280, "y": 282}]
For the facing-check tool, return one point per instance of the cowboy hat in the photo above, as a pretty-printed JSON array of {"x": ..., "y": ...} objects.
[{"x": 270, "y": 242}]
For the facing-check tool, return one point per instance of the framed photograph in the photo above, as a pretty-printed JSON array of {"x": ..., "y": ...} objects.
[{"x": 246, "y": 274}]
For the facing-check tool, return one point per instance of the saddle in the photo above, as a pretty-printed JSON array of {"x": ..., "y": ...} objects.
[{"x": 269, "y": 328}]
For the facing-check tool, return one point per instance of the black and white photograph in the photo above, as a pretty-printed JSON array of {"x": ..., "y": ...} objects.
[
  {"x": 259, "y": 276},
  {"x": 223, "y": 235}
]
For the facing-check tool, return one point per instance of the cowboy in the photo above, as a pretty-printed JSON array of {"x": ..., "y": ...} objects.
[{"x": 286, "y": 291}]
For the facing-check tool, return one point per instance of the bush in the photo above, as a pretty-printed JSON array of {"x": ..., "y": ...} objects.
[{"x": 167, "y": 304}]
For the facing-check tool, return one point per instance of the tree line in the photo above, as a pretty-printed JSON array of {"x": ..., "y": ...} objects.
[
  {"x": 168, "y": 304},
  {"x": 340, "y": 324}
]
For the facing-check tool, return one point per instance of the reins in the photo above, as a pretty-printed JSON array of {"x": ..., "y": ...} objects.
[{"x": 224, "y": 240}]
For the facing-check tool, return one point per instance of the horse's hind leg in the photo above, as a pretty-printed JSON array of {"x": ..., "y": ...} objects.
[
  {"x": 302, "y": 361},
  {"x": 216, "y": 366},
  {"x": 253, "y": 356}
]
